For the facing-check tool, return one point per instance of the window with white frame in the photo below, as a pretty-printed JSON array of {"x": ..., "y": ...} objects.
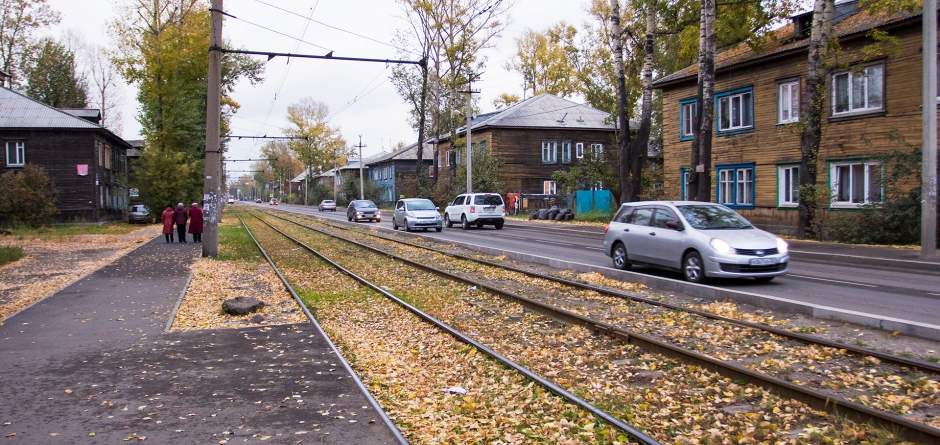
[
  {"x": 549, "y": 152},
  {"x": 735, "y": 110},
  {"x": 788, "y": 186},
  {"x": 549, "y": 188},
  {"x": 855, "y": 183},
  {"x": 735, "y": 185},
  {"x": 686, "y": 177},
  {"x": 858, "y": 91},
  {"x": 788, "y": 102},
  {"x": 579, "y": 150},
  {"x": 597, "y": 149},
  {"x": 450, "y": 158},
  {"x": 687, "y": 119},
  {"x": 16, "y": 154},
  {"x": 565, "y": 152}
]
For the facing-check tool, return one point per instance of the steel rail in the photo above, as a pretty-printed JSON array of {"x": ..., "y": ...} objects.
[
  {"x": 884, "y": 356},
  {"x": 636, "y": 434},
  {"x": 908, "y": 429},
  {"x": 362, "y": 387}
]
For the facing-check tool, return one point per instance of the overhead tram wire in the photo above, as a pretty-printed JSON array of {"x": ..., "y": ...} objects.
[
  {"x": 360, "y": 95},
  {"x": 338, "y": 29}
]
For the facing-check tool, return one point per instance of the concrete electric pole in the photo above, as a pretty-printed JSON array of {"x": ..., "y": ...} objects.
[
  {"x": 362, "y": 191},
  {"x": 212, "y": 189},
  {"x": 469, "y": 92},
  {"x": 928, "y": 225}
]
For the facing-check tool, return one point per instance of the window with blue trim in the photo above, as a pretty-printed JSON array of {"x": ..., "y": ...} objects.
[
  {"x": 686, "y": 176},
  {"x": 734, "y": 111},
  {"x": 735, "y": 186},
  {"x": 687, "y": 110}
]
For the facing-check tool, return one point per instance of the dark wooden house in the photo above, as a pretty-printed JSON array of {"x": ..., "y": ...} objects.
[
  {"x": 533, "y": 139},
  {"x": 872, "y": 104},
  {"x": 87, "y": 162}
]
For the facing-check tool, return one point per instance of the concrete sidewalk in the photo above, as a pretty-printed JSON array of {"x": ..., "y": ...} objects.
[{"x": 92, "y": 364}]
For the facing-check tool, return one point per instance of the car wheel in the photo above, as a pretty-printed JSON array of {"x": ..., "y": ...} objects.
[
  {"x": 348, "y": 218},
  {"x": 464, "y": 224},
  {"x": 447, "y": 221},
  {"x": 619, "y": 256},
  {"x": 499, "y": 225},
  {"x": 693, "y": 270},
  {"x": 405, "y": 222},
  {"x": 763, "y": 279},
  {"x": 394, "y": 225},
  {"x": 438, "y": 229}
]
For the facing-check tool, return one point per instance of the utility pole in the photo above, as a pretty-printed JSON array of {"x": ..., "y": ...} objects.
[
  {"x": 469, "y": 92},
  {"x": 928, "y": 212},
  {"x": 212, "y": 188},
  {"x": 362, "y": 191}
]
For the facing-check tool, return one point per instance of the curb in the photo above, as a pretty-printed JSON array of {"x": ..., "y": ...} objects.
[{"x": 865, "y": 261}]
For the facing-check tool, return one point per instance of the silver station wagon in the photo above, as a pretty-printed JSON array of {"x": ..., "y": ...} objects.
[{"x": 699, "y": 239}]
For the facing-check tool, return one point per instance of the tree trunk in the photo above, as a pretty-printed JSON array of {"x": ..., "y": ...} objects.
[
  {"x": 700, "y": 180},
  {"x": 814, "y": 101},
  {"x": 623, "y": 139},
  {"x": 422, "y": 119},
  {"x": 640, "y": 146}
]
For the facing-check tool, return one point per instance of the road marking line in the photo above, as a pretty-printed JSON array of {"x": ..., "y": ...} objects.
[
  {"x": 833, "y": 281},
  {"x": 931, "y": 293}
]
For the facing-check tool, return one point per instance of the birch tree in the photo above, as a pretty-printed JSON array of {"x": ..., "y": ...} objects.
[
  {"x": 700, "y": 179},
  {"x": 814, "y": 104},
  {"x": 623, "y": 120}
]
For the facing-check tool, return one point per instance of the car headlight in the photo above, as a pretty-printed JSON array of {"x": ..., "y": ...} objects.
[
  {"x": 720, "y": 246},
  {"x": 782, "y": 246},
  {"x": 410, "y": 215},
  {"x": 378, "y": 213}
]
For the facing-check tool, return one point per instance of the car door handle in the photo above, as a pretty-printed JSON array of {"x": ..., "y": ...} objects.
[{"x": 653, "y": 233}]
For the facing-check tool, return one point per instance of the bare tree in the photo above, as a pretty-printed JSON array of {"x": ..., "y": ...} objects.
[
  {"x": 106, "y": 87},
  {"x": 700, "y": 180},
  {"x": 814, "y": 100},
  {"x": 19, "y": 19}
]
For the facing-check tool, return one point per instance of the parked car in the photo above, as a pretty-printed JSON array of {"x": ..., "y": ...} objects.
[
  {"x": 138, "y": 214},
  {"x": 361, "y": 209},
  {"x": 231, "y": 200},
  {"x": 327, "y": 204},
  {"x": 272, "y": 202},
  {"x": 476, "y": 209},
  {"x": 417, "y": 213},
  {"x": 699, "y": 239}
]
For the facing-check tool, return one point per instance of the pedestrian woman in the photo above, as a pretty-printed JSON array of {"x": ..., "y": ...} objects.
[
  {"x": 168, "y": 223},
  {"x": 195, "y": 222},
  {"x": 180, "y": 216}
]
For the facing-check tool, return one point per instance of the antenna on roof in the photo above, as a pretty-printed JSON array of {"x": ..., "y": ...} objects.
[{"x": 562, "y": 120}]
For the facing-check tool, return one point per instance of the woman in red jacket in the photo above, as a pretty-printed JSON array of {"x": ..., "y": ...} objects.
[
  {"x": 168, "y": 224},
  {"x": 195, "y": 222}
]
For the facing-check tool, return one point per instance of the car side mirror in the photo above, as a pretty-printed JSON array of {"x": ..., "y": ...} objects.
[
  {"x": 437, "y": 208},
  {"x": 674, "y": 225}
]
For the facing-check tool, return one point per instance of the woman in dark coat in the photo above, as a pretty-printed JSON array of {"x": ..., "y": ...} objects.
[
  {"x": 168, "y": 223},
  {"x": 195, "y": 222},
  {"x": 180, "y": 216}
]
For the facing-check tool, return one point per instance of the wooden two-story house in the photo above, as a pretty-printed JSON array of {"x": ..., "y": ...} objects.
[
  {"x": 87, "y": 162},
  {"x": 533, "y": 139},
  {"x": 870, "y": 101}
]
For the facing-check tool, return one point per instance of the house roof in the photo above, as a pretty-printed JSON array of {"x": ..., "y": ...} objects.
[
  {"x": 406, "y": 153},
  {"x": 84, "y": 113},
  {"x": 352, "y": 164},
  {"x": 19, "y": 111},
  {"x": 544, "y": 111},
  {"x": 848, "y": 20}
]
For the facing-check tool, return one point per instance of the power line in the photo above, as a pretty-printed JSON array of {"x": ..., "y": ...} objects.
[
  {"x": 300, "y": 40},
  {"x": 360, "y": 95},
  {"x": 338, "y": 29}
]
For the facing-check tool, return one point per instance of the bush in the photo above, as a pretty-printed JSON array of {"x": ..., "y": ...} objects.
[
  {"x": 10, "y": 254},
  {"x": 27, "y": 197}
]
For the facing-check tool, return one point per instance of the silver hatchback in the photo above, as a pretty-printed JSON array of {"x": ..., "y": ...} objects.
[
  {"x": 417, "y": 213},
  {"x": 699, "y": 239}
]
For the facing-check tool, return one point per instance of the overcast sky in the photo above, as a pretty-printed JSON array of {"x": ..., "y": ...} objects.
[{"x": 370, "y": 106}]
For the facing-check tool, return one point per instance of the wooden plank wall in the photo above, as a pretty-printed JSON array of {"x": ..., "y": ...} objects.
[{"x": 771, "y": 144}]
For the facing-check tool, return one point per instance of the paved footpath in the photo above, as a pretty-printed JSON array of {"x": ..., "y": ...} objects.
[{"x": 93, "y": 364}]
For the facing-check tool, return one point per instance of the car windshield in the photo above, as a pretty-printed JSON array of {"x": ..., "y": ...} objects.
[
  {"x": 488, "y": 200},
  {"x": 424, "y": 204},
  {"x": 365, "y": 204},
  {"x": 713, "y": 217},
  {"x": 328, "y": 201}
]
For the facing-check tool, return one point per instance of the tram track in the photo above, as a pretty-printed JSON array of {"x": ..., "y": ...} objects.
[
  {"x": 819, "y": 400},
  {"x": 636, "y": 435}
]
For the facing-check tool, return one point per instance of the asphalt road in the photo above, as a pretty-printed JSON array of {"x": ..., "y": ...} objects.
[{"x": 903, "y": 294}]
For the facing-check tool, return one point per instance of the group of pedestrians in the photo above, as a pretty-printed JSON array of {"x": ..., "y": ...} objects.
[{"x": 179, "y": 217}]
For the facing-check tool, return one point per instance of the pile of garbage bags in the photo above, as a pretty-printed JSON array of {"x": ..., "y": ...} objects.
[{"x": 553, "y": 214}]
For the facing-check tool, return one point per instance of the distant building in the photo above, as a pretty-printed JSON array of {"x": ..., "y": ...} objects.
[
  {"x": 87, "y": 161},
  {"x": 388, "y": 170}
]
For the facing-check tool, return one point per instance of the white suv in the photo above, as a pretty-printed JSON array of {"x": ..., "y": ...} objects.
[{"x": 476, "y": 208}]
